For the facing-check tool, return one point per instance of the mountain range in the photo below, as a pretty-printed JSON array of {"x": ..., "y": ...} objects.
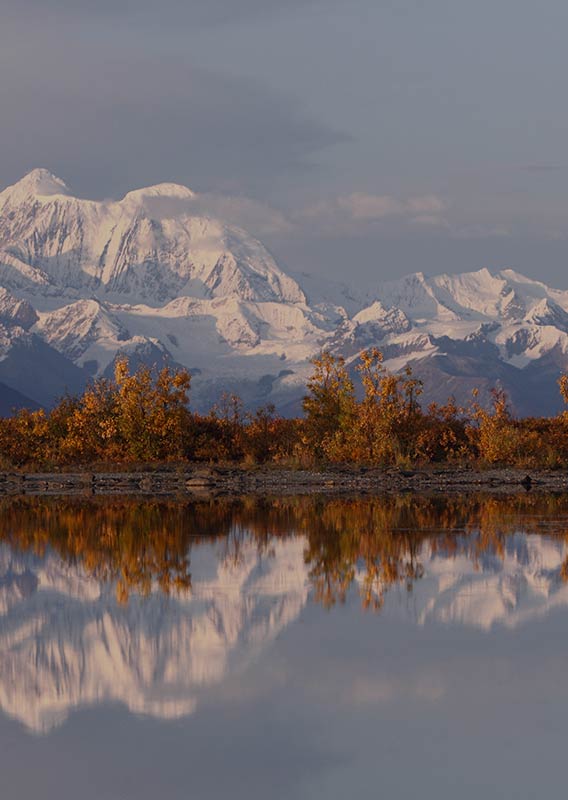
[{"x": 156, "y": 278}]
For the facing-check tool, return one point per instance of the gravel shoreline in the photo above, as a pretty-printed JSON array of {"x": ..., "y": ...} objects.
[{"x": 200, "y": 481}]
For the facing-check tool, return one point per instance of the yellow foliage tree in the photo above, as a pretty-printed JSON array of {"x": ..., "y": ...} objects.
[
  {"x": 152, "y": 416},
  {"x": 329, "y": 406}
]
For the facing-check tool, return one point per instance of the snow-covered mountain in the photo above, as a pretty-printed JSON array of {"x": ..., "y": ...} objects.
[
  {"x": 146, "y": 247},
  {"x": 154, "y": 277}
]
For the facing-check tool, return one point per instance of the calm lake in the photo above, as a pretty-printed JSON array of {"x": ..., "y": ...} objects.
[{"x": 296, "y": 648}]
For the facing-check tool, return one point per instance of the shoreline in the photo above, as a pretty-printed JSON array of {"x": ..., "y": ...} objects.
[{"x": 203, "y": 481}]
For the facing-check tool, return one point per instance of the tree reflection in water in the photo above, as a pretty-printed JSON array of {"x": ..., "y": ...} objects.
[{"x": 377, "y": 542}]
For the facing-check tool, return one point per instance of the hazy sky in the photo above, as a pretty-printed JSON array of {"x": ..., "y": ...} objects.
[{"x": 361, "y": 140}]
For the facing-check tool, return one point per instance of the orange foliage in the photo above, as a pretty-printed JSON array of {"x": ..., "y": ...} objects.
[{"x": 145, "y": 417}]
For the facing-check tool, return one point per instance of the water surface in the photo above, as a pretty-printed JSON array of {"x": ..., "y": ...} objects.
[{"x": 298, "y": 648}]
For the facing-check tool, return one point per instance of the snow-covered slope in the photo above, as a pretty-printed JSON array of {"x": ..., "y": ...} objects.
[
  {"x": 147, "y": 246},
  {"x": 495, "y": 328},
  {"x": 152, "y": 276}
]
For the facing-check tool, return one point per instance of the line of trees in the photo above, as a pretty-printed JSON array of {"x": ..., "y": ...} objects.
[{"x": 145, "y": 418}]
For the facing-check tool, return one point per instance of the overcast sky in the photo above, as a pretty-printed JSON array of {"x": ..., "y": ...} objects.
[{"x": 362, "y": 140}]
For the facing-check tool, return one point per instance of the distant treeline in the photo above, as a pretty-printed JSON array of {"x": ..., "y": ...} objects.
[{"x": 146, "y": 417}]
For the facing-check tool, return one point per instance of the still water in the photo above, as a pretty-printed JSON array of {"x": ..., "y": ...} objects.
[{"x": 304, "y": 648}]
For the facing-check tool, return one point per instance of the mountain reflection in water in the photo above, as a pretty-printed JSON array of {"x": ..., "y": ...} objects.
[{"x": 149, "y": 603}]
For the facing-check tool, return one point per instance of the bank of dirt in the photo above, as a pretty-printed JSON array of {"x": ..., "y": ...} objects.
[{"x": 200, "y": 481}]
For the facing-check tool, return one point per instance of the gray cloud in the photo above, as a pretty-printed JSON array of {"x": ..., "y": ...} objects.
[
  {"x": 245, "y": 212},
  {"x": 110, "y": 124},
  {"x": 542, "y": 167},
  {"x": 342, "y": 215},
  {"x": 347, "y": 213},
  {"x": 166, "y": 12}
]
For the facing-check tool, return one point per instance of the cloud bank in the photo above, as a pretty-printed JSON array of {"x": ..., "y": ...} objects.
[{"x": 106, "y": 126}]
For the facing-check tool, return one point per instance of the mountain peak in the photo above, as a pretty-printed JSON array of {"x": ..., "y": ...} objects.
[
  {"x": 152, "y": 245},
  {"x": 37, "y": 183}
]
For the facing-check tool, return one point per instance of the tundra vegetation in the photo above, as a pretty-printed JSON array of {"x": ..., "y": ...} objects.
[{"x": 146, "y": 417}]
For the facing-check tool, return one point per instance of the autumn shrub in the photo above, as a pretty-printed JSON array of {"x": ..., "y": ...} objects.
[
  {"x": 144, "y": 418},
  {"x": 139, "y": 417},
  {"x": 152, "y": 414},
  {"x": 328, "y": 406},
  {"x": 499, "y": 438},
  {"x": 382, "y": 428},
  {"x": 443, "y": 434},
  {"x": 24, "y": 438}
]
